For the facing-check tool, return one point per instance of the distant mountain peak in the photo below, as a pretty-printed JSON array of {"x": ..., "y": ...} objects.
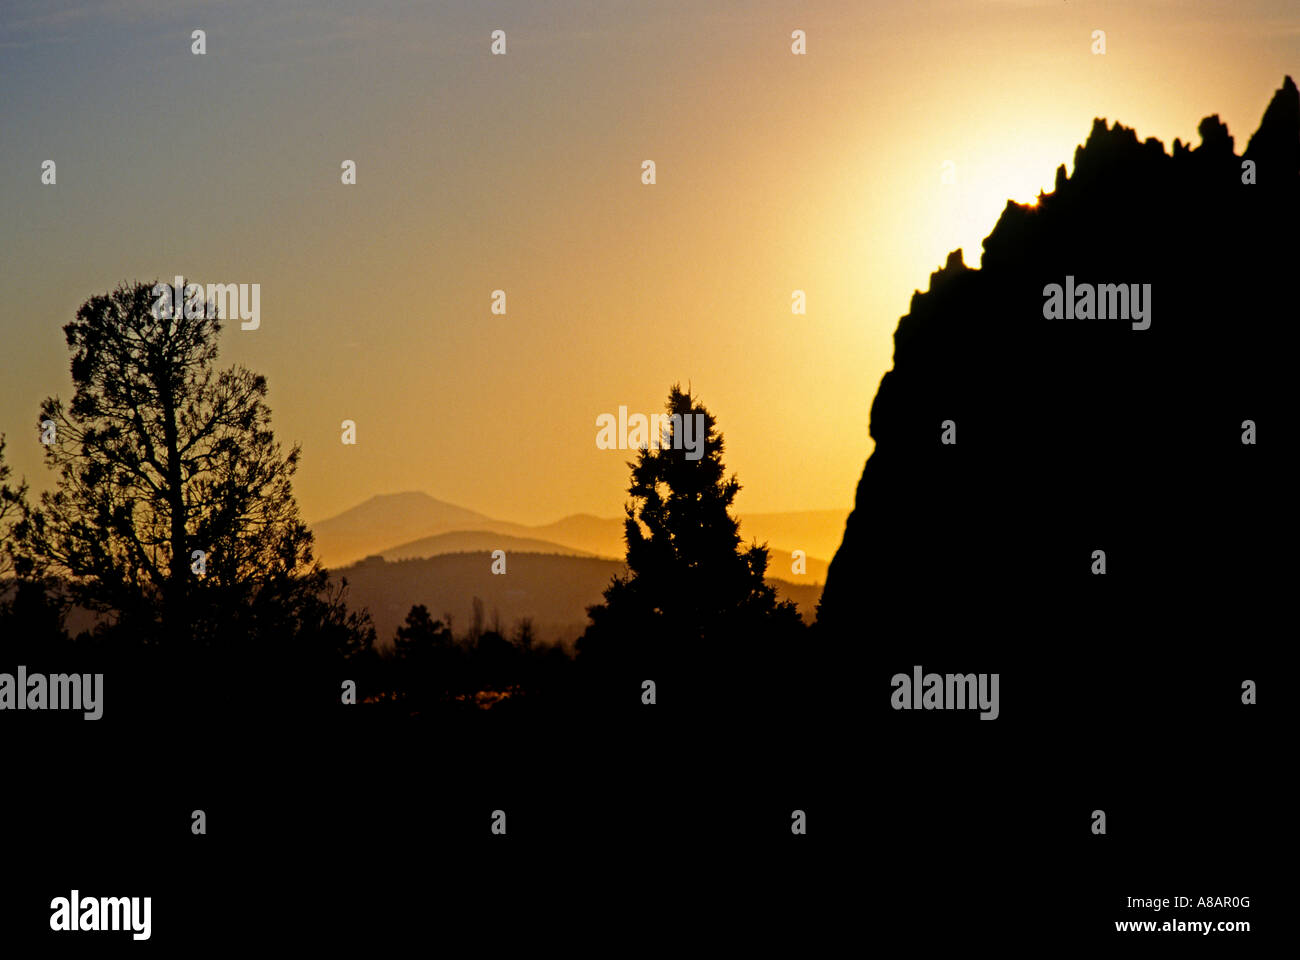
[
  {"x": 386, "y": 519},
  {"x": 406, "y": 496},
  {"x": 403, "y": 495},
  {"x": 405, "y": 500}
]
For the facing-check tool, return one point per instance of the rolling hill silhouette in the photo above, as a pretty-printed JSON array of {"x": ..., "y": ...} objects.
[
  {"x": 553, "y": 590},
  {"x": 474, "y": 541}
]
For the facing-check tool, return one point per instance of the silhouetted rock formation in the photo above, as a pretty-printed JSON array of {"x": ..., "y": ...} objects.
[
  {"x": 1075, "y": 435},
  {"x": 1274, "y": 143},
  {"x": 1120, "y": 691}
]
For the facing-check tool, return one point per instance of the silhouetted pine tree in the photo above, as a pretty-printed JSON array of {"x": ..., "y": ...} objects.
[
  {"x": 693, "y": 598},
  {"x": 158, "y": 455}
]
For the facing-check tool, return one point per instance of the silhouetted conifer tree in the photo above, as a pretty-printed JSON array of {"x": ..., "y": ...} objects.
[
  {"x": 159, "y": 455},
  {"x": 692, "y": 595}
]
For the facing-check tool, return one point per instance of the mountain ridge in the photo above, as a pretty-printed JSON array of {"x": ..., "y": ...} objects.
[{"x": 367, "y": 530}]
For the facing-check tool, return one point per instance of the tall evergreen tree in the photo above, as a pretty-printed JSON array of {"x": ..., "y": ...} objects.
[
  {"x": 692, "y": 594},
  {"x": 173, "y": 509}
]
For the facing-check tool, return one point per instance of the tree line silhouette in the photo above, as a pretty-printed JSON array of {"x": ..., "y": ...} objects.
[{"x": 172, "y": 522}]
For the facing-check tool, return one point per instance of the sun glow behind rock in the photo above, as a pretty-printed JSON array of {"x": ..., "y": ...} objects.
[{"x": 969, "y": 208}]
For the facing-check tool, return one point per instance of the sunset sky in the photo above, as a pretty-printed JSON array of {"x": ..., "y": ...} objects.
[{"x": 522, "y": 172}]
